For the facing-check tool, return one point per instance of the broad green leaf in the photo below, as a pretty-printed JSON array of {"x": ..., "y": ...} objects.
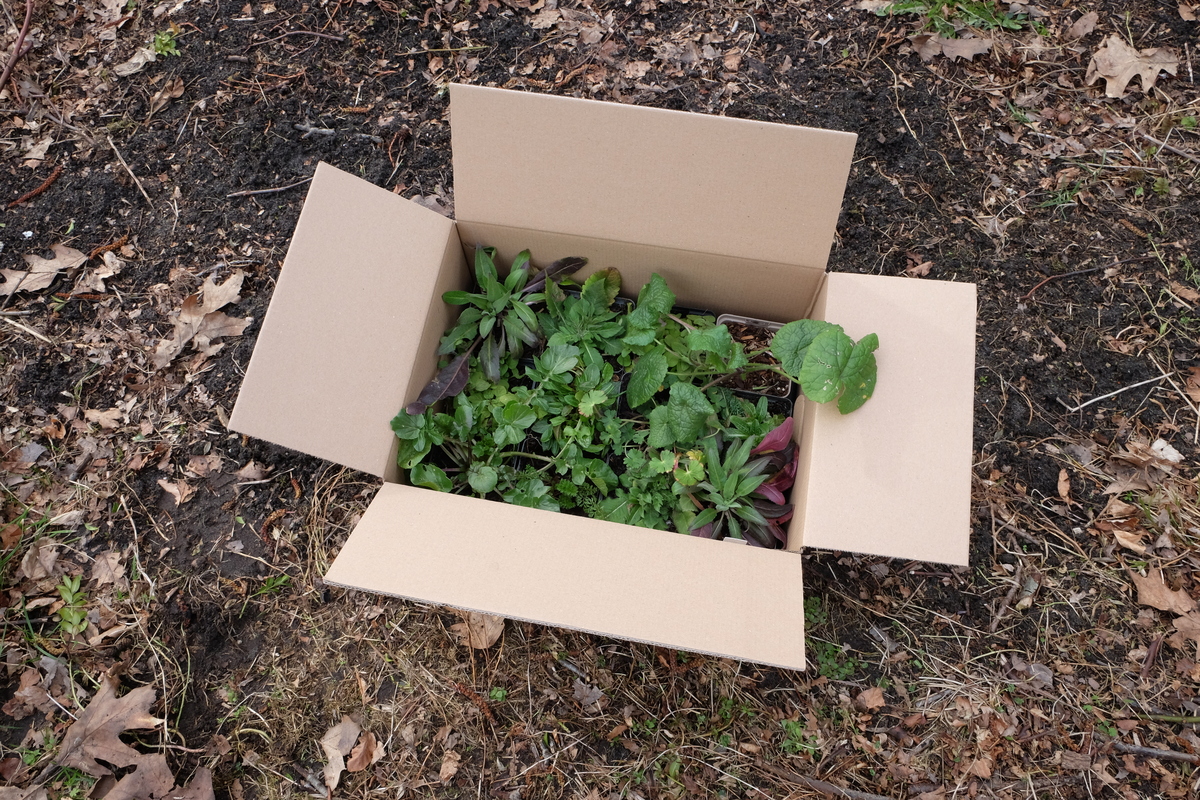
[
  {"x": 482, "y": 478},
  {"x": 409, "y": 426},
  {"x": 526, "y": 314},
  {"x": 646, "y": 378},
  {"x": 602, "y": 286},
  {"x": 824, "y": 363},
  {"x": 601, "y": 474},
  {"x": 655, "y": 296},
  {"x": 662, "y": 463},
  {"x": 791, "y": 342},
  {"x": 690, "y": 472},
  {"x": 485, "y": 267},
  {"x": 661, "y": 434},
  {"x": 521, "y": 261},
  {"x": 467, "y": 328},
  {"x": 860, "y": 374},
  {"x": 595, "y": 397},
  {"x": 411, "y": 452},
  {"x": 559, "y": 359},
  {"x": 517, "y": 415},
  {"x": 430, "y": 477},
  {"x": 639, "y": 337},
  {"x": 713, "y": 340},
  {"x": 703, "y": 518},
  {"x": 688, "y": 411},
  {"x": 458, "y": 298}
]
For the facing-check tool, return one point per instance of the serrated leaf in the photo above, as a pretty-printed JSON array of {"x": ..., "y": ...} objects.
[
  {"x": 96, "y": 732},
  {"x": 602, "y": 287},
  {"x": 824, "y": 363},
  {"x": 639, "y": 337},
  {"x": 430, "y": 477},
  {"x": 860, "y": 374},
  {"x": 688, "y": 411},
  {"x": 482, "y": 478},
  {"x": 713, "y": 340},
  {"x": 661, "y": 434},
  {"x": 646, "y": 378},
  {"x": 791, "y": 342},
  {"x": 654, "y": 300},
  {"x": 449, "y": 381},
  {"x": 559, "y": 359}
]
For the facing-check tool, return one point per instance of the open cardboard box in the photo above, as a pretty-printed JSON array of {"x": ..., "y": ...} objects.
[{"x": 737, "y": 216}]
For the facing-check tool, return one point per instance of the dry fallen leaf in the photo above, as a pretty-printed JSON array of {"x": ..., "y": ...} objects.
[
  {"x": 1153, "y": 591},
  {"x": 1064, "y": 485},
  {"x": 200, "y": 319},
  {"x": 36, "y": 154},
  {"x": 449, "y": 767},
  {"x": 367, "y": 752},
  {"x": 1187, "y": 12},
  {"x": 108, "y": 568},
  {"x": 96, "y": 734},
  {"x": 1131, "y": 540},
  {"x": 1192, "y": 386},
  {"x": 180, "y": 490},
  {"x": 108, "y": 420},
  {"x": 870, "y": 699},
  {"x": 170, "y": 91},
  {"x": 929, "y": 45},
  {"x": 29, "y": 697},
  {"x": 586, "y": 694},
  {"x": 42, "y": 271},
  {"x": 253, "y": 471},
  {"x": 93, "y": 282},
  {"x": 39, "y": 560},
  {"x": 478, "y": 630},
  {"x": 1083, "y": 26},
  {"x": 337, "y": 743},
  {"x": 1117, "y": 63},
  {"x": 140, "y": 59}
]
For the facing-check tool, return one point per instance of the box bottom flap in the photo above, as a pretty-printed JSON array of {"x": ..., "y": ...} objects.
[{"x": 635, "y": 583}]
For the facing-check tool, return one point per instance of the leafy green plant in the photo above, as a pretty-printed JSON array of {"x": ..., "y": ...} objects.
[
  {"x": 528, "y": 405},
  {"x": 72, "y": 616},
  {"x": 947, "y": 17},
  {"x": 796, "y": 741},
  {"x": 165, "y": 42}
]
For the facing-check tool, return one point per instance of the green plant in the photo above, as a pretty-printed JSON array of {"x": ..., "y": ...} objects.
[
  {"x": 814, "y": 612},
  {"x": 1161, "y": 186},
  {"x": 796, "y": 741},
  {"x": 498, "y": 695},
  {"x": 165, "y": 42},
  {"x": 947, "y": 17},
  {"x": 72, "y": 616},
  {"x": 832, "y": 661}
]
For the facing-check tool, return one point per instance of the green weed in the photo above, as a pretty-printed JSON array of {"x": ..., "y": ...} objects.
[
  {"x": 946, "y": 17},
  {"x": 165, "y": 43},
  {"x": 796, "y": 741}
]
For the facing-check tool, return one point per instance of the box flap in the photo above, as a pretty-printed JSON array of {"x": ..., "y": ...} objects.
[
  {"x": 340, "y": 339},
  {"x": 735, "y": 187},
  {"x": 894, "y": 477},
  {"x": 636, "y": 583}
]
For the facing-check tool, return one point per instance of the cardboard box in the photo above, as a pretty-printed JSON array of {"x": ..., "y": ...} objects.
[{"x": 737, "y": 216}]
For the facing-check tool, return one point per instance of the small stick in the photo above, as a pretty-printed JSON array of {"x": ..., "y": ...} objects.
[
  {"x": 1171, "y": 718},
  {"x": 1154, "y": 752},
  {"x": 1169, "y": 148},
  {"x": 828, "y": 789},
  {"x": 124, "y": 164},
  {"x": 17, "y": 51},
  {"x": 1183, "y": 394},
  {"x": 300, "y": 33},
  {"x": 1111, "y": 394},
  {"x": 45, "y": 185},
  {"x": 249, "y": 192},
  {"x": 309, "y": 130},
  {"x": 1008, "y": 598},
  {"x": 28, "y": 330},
  {"x": 1151, "y": 655}
]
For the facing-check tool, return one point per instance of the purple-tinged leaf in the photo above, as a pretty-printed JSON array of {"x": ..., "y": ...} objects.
[
  {"x": 704, "y": 531},
  {"x": 771, "y": 493},
  {"x": 778, "y": 532},
  {"x": 559, "y": 269},
  {"x": 451, "y": 380},
  {"x": 776, "y": 440}
]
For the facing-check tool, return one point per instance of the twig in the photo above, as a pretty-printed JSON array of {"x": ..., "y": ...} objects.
[
  {"x": 1151, "y": 655},
  {"x": 1029, "y": 294},
  {"x": 1184, "y": 395},
  {"x": 124, "y": 164},
  {"x": 30, "y": 331},
  {"x": 17, "y": 51},
  {"x": 248, "y": 192},
  {"x": 1171, "y": 718},
  {"x": 1110, "y": 394},
  {"x": 816, "y": 785},
  {"x": 1008, "y": 598},
  {"x": 442, "y": 50},
  {"x": 300, "y": 33},
  {"x": 1154, "y": 752},
  {"x": 1169, "y": 148},
  {"x": 45, "y": 185}
]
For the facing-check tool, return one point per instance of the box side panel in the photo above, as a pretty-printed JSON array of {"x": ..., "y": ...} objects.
[
  {"x": 635, "y": 583},
  {"x": 894, "y": 477},
  {"x": 725, "y": 284},
  {"x": 733, "y": 187},
  {"x": 340, "y": 339},
  {"x": 805, "y": 419}
]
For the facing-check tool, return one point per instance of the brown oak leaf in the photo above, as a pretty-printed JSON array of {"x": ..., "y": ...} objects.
[
  {"x": 366, "y": 752},
  {"x": 478, "y": 630},
  {"x": 200, "y": 319},
  {"x": 1153, "y": 591},
  {"x": 337, "y": 743},
  {"x": 1118, "y": 63},
  {"x": 96, "y": 734},
  {"x": 42, "y": 271}
]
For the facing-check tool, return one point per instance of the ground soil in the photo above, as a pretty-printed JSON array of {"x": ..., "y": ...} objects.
[{"x": 1024, "y": 674}]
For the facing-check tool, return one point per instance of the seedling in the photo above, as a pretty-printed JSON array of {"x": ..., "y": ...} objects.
[
  {"x": 165, "y": 43},
  {"x": 72, "y": 616}
]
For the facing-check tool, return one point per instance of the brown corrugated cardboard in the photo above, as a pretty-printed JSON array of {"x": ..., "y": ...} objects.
[{"x": 353, "y": 325}]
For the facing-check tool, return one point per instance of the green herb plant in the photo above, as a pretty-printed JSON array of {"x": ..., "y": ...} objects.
[
  {"x": 165, "y": 42},
  {"x": 560, "y": 395},
  {"x": 72, "y": 616}
]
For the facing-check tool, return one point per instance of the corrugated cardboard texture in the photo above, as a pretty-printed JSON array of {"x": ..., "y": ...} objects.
[
  {"x": 340, "y": 340},
  {"x": 753, "y": 190},
  {"x": 732, "y": 285},
  {"x": 640, "y": 584},
  {"x": 894, "y": 477}
]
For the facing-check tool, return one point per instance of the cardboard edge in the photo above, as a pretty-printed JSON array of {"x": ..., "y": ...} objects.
[{"x": 805, "y": 422}]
